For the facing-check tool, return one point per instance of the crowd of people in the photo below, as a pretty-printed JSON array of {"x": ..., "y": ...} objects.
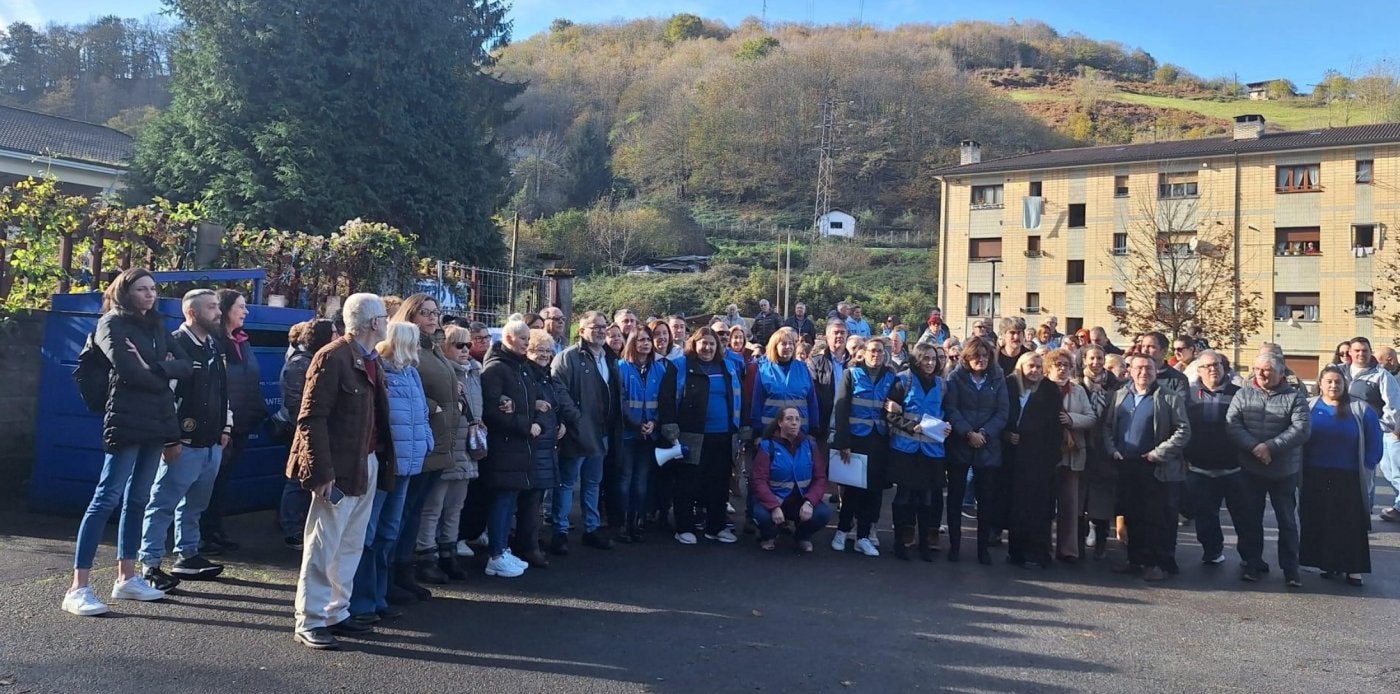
[{"x": 416, "y": 441}]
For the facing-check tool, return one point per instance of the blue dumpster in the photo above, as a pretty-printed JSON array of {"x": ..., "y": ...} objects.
[{"x": 68, "y": 438}]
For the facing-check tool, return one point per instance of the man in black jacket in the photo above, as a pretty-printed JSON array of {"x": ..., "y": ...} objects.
[
  {"x": 189, "y": 467},
  {"x": 589, "y": 371},
  {"x": 802, "y": 323},
  {"x": 826, "y": 366},
  {"x": 1212, "y": 468},
  {"x": 765, "y": 323}
]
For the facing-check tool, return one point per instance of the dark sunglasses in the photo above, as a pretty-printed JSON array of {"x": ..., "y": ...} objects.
[{"x": 461, "y": 345}]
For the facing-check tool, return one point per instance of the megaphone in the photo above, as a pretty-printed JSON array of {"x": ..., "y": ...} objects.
[{"x": 666, "y": 455}]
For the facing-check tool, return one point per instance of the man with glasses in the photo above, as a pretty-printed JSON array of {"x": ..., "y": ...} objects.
[
  {"x": 589, "y": 371},
  {"x": 339, "y": 453},
  {"x": 1212, "y": 467},
  {"x": 554, "y": 324}
]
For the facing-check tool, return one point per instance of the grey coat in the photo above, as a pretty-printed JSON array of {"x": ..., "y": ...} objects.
[
  {"x": 1278, "y": 418},
  {"x": 463, "y": 466},
  {"x": 1171, "y": 430}
]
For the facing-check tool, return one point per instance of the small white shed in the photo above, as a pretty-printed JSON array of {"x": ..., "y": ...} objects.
[{"x": 837, "y": 223}]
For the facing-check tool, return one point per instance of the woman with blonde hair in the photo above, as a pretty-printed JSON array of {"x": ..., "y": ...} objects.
[
  {"x": 413, "y": 440},
  {"x": 1035, "y": 435},
  {"x": 1077, "y": 416}
]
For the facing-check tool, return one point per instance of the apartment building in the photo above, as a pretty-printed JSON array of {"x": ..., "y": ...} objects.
[{"x": 1311, "y": 213}]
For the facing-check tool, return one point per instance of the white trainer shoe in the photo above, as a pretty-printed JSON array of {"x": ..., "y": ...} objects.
[
  {"x": 838, "y": 540},
  {"x": 501, "y": 566},
  {"x": 509, "y": 556},
  {"x": 874, "y": 536},
  {"x": 83, "y": 602},
  {"x": 726, "y": 536},
  {"x": 866, "y": 547},
  {"x": 135, "y": 588},
  {"x": 464, "y": 549},
  {"x": 686, "y": 538}
]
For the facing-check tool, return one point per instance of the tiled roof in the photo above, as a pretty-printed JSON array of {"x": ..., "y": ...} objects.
[
  {"x": 1380, "y": 133},
  {"x": 61, "y": 138}
]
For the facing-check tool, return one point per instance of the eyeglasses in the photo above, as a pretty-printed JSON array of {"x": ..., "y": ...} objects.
[
  {"x": 553, "y": 318},
  {"x": 1209, "y": 365},
  {"x": 429, "y": 313},
  {"x": 1182, "y": 349},
  {"x": 461, "y": 345}
]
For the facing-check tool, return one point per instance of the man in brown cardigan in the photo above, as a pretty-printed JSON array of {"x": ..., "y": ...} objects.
[{"x": 341, "y": 438}]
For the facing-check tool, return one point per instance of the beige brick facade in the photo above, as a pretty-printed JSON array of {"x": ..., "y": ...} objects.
[{"x": 1332, "y": 270}]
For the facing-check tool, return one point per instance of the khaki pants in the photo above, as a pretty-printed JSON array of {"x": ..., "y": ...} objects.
[{"x": 332, "y": 545}]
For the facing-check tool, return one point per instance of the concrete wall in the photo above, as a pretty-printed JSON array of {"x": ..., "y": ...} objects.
[{"x": 22, "y": 336}]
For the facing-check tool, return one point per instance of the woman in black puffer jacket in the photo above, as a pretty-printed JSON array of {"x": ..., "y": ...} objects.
[
  {"x": 555, "y": 419},
  {"x": 245, "y": 398},
  {"x": 509, "y": 396},
  {"x": 137, "y": 427}
]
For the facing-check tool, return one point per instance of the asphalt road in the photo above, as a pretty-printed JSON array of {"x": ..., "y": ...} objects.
[{"x": 667, "y": 618}]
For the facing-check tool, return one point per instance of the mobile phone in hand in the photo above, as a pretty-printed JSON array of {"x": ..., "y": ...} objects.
[{"x": 335, "y": 496}]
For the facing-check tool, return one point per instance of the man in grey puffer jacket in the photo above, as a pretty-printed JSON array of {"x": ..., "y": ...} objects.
[{"x": 1268, "y": 421}]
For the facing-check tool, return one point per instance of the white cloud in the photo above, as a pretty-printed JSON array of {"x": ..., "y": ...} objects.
[{"x": 20, "y": 11}]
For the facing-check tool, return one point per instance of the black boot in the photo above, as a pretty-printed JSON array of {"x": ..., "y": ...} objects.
[
  {"x": 634, "y": 530},
  {"x": 426, "y": 568},
  {"x": 904, "y": 538},
  {"x": 929, "y": 545},
  {"x": 403, "y": 578},
  {"x": 447, "y": 561}
]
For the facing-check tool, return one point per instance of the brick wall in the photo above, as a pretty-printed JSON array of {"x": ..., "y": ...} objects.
[{"x": 22, "y": 336}]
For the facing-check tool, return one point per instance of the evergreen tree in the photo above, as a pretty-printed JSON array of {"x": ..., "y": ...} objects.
[{"x": 303, "y": 115}]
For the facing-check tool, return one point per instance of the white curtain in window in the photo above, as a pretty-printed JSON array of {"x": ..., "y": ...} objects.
[{"x": 1032, "y": 208}]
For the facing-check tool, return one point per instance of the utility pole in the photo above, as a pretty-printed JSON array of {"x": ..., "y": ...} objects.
[
  {"x": 787, "y": 286},
  {"x": 514, "y": 247},
  {"x": 824, "y": 151}
]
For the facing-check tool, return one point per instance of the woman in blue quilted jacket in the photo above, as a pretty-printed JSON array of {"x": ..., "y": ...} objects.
[{"x": 413, "y": 440}]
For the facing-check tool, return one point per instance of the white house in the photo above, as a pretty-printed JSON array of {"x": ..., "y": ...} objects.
[
  {"x": 86, "y": 159},
  {"x": 837, "y": 223}
]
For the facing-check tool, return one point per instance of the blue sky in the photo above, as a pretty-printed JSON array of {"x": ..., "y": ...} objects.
[{"x": 1253, "y": 39}]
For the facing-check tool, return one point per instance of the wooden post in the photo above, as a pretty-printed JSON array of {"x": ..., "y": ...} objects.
[
  {"x": 65, "y": 261},
  {"x": 95, "y": 262},
  {"x": 474, "y": 286}
]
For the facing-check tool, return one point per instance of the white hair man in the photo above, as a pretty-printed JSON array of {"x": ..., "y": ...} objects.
[{"x": 345, "y": 402}]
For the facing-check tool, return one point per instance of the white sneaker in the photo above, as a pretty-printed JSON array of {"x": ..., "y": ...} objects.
[
  {"x": 838, "y": 540},
  {"x": 464, "y": 549},
  {"x": 502, "y": 566},
  {"x": 135, "y": 588},
  {"x": 726, "y": 536},
  {"x": 508, "y": 556},
  {"x": 1093, "y": 537},
  {"x": 480, "y": 541},
  {"x": 83, "y": 602},
  {"x": 874, "y": 536},
  {"x": 866, "y": 547},
  {"x": 686, "y": 538}
]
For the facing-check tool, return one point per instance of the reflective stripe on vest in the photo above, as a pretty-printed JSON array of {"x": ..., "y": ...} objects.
[
  {"x": 640, "y": 397},
  {"x": 785, "y": 388},
  {"x": 789, "y": 471},
  {"x": 919, "y": 402},
  {"x": 867, "y": 402}
]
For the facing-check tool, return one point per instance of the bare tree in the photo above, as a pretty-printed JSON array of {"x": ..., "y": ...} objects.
[{"x": 1179, "y": 271}]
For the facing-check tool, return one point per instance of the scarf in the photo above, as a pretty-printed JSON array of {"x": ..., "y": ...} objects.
[{"x": 238, "y": 338}]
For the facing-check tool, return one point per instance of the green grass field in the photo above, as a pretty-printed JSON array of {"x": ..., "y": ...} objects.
[{"x": 1290, "y": 116}]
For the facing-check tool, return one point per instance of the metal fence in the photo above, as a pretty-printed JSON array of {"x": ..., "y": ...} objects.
[{"x": 485, "y": 295}]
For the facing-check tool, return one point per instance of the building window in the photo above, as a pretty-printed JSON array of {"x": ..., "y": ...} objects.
[
  {"x": 1033, "y": 247},
  {"x": 1177, "y": 185},
  {"x": 984, "y": 249},
  {"x": 1032, "y": 303},
  {"x": 1296, "y": 306},
  {"x": 1120, "y": 243},
  {"x": 986, "y": 197},
  {"x": 1035, "y": 189},
  {"x": 1077, "y": 215},
  {"x": 1365, "y": 170},
  {"x": 983, "y": 304},
  {"x": 1176, "y": 304},
  {"x": 1073, "y": 325},
  {"x": 1120, "y": 301},
  {"x": 1075, "y": 272},
  {"x": 1304, "y": 368},
  {"x": 1365, "y": 303},
  {"x": 1175, "y": 244},
  {"x": 833, "y": 224},
  {"x": 1120, "y": 186},
  {"x": 1363, "y": 239},
  {"x": 1298, "y": 241},
  {"x": 1300, "y": 178}
]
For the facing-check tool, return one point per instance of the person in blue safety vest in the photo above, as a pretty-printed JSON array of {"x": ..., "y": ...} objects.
[
  {"x": 858, "y": 426},
  {"x": 918, "y": 463},
  {"x": 649, "y": 414},
  {"x": 789, "y": 479}
]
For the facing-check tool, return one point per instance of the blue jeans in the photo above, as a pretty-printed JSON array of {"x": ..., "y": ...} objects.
[
  {"x": 126, "y": 473},
  {"x": 1249, "y": 525},
  {"x": 418, "y": 486},
  {"x": 1390, "y": 470},
  {"x": 498, "y": 522},
  {"x": 767, "y": 529},
  {"x": 1207, "y": 493},
  {"x": 590, "y": 468},
  {"x": 291, "y": 513},
  {"x": 181, "y": 493},
  {"x": 381, "y": 536},
  {"x": 638, "y": 457}
]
